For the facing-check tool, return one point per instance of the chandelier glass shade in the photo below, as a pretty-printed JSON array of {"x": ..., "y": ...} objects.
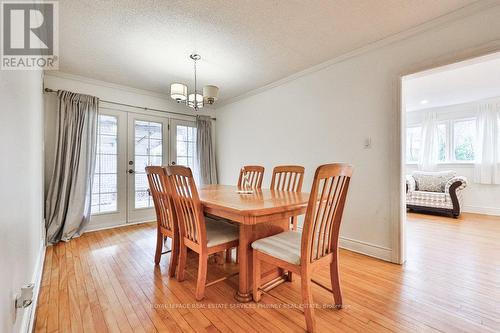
[
  {"x": 210, "y": 94},
  {"x": 199, "y": 101},
  {"x": 179, "y": 91}
]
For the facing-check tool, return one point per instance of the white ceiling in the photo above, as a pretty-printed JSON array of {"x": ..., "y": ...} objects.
[
  {"x": 459, "y": 83},
  {"x": 244, "y": 44}
]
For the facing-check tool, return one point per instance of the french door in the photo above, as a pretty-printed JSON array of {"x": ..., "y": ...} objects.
[
  {"x": 147, "y": 145},
  {"x": 109, "y": 200},
  {"x": 127, "y": 143}
]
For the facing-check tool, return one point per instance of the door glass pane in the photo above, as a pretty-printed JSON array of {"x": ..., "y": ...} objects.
[
  {"x": 186, "y": 142},
  {"x": 186, "y": 147},
  {"x": 142, "y": 199},
  {"x": 141, "y": 182},
  {"x": 148, "y": 151},
  {"x": 104, "y": 187},
  {"x": 108, "y": 202},
  {"x": 108, "y": 144}
]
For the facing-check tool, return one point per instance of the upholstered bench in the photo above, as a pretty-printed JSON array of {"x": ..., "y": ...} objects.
[{"x": 439, "y": 192}]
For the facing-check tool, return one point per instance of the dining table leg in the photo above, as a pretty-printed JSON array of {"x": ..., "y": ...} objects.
[
  {"x": 249, "y": 233},
  {"x": 243, "y": 295}
]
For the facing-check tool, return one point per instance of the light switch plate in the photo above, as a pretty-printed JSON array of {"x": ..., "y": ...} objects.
[{"x": 368, "y": 143}]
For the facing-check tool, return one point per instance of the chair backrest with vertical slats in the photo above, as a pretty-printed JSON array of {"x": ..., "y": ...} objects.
[
  {"x": 162, "y": 199},
  {"x": 254, "y": 174},
  {"x": 287, "y": 178},
  {"x": 324, "y": 212},
  {"x": 187, "y": 203}
]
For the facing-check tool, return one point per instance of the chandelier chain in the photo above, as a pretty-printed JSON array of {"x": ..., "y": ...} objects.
[{"x": 195, "y": 88}]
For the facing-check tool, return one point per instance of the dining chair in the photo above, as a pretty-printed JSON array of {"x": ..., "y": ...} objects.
[
  {"x": 317, "y": 245},
  {"x": 288, "y": 178},
  {"x": 254, "y": 175},
  {"x": 203, "y": 235},
  {"x": 167, "y": 225}
]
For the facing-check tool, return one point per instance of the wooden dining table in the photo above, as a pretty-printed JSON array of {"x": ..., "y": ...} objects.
[{"x": 260, "y": 214}]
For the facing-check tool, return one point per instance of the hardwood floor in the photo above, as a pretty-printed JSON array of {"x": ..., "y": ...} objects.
[{"x": 107, "y": 281}]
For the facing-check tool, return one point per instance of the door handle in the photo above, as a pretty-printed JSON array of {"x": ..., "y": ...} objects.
[
  {"x": 173, "y": 163},
  {"x": 130, "y": 171}
]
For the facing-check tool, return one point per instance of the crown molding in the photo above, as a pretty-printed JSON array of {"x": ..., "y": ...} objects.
[
  {"x": 95, "y": 82},
  {"x": 456, "y": 15},
  {"x": 148, "y": 93}
]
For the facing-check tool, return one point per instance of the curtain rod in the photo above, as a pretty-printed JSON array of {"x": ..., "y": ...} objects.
[{"x": 48, "y": 90}]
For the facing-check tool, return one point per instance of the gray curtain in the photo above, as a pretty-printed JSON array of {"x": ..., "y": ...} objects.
[
  {"x": 67, "y": 208},
  {"x": 205, "y": 151}
]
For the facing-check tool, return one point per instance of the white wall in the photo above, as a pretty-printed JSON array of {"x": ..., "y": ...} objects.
[
  {"x": 478, "y": 198},
  {"x": 325, "y": 115},
  {"x": 21, "y": 191}
]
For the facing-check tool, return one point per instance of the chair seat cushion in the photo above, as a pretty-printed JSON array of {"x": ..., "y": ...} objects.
[
  {"x": 220, "y": 232},
  {"x": 284, "y": 246}
]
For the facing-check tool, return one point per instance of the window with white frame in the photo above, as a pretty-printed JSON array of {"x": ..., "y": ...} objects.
[
  {"x": 104, "y": 188},
  {"x": 455, "y": 141}
]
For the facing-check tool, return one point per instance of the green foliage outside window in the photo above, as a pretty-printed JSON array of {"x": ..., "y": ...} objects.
[{"x": 465, "y": 151}]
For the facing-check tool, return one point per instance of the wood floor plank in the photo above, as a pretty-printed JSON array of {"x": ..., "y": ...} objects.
[
  {"x": 53, "y": 309},
  {"x": 98, "y": 321},
  {"x": 80, "y": 290},
  {"x": 106, "y": 281}
]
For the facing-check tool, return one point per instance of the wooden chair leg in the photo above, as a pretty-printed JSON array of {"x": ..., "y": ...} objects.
[
  {"x": 174, "y": 257},
  {"x": 181, "y": 270},
  {"x": 307, "y": 301},
  {"x": 202, "y": 276},
  {"x": 220, "y": 258},
  {"x": 229, "y": 253},
  {"x": 289, "y": 276},
  {"x": 237, "y": 255},
  {"x": 293, "y": 222},
  {"x": 335, "y": 278},
  {"x": 256, "y": 277},
  {"x": 159, "y": 246}
]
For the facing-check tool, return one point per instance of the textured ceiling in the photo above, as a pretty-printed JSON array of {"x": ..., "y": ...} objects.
[
  {"x": 456, "y": 84},
  {"x": 244, "y": 44}
]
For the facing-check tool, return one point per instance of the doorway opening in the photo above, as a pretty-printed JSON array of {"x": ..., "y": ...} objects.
[{"x": 451, "y": 160}]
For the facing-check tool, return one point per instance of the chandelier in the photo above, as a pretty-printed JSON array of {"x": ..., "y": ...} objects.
[{"x": 195, "y": 100}]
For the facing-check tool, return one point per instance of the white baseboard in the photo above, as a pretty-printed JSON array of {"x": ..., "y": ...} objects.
[
  {"x": 92, "y": 228},
  {"x": 371, "y": 250},
  {"x": 27, "y": 325},
  {"x": 354, "y": 245},
  {"x": 481, "y": 210},
  {"x": 368, "y": 249}
]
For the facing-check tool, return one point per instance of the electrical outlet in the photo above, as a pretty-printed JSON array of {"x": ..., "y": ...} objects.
[{"x": 25, "y": 299}]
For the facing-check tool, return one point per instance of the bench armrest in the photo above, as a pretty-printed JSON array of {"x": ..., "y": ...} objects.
[
  {"x": 457, "y": 183},
  {"x": 411, "y": 185}
]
